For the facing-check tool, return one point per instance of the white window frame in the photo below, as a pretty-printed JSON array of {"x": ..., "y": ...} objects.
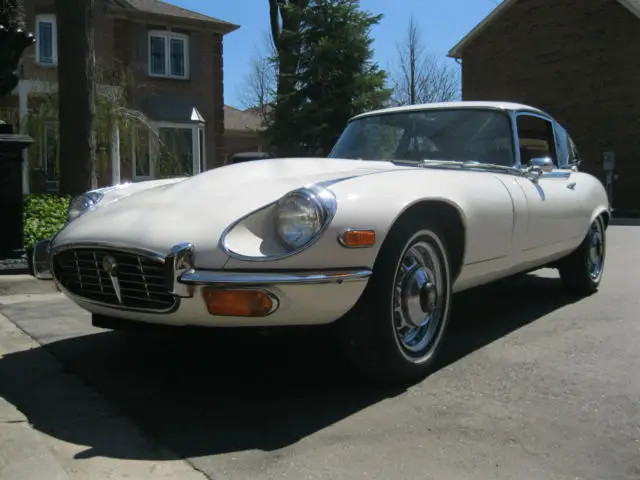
[
  {"x": 167, "y": 36},
  {"x": 47, "y": 18},
  {"x": 154, "y": 149}
]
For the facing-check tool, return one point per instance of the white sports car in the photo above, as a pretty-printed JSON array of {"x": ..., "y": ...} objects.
[{"x": 412, "y": 205}]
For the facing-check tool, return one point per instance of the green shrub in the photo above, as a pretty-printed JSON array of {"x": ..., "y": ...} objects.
[{"x": 44, "y": 215}]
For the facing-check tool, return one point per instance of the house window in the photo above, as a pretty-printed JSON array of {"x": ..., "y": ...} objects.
[
  {"x": 141, "y": 153},
  {"x": 46, "y": 40},
  {"x": 172, "y": 150},
  {"x": 179, "y": 150},
  {"x": 176, "y": 151},
  {"x": 168, "y": 54}
]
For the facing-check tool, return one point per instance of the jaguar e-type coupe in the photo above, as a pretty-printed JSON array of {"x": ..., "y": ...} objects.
[{"x": 412, "y": 205}]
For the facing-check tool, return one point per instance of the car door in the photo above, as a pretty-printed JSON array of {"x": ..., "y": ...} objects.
[{"x": 553, "y": 199}]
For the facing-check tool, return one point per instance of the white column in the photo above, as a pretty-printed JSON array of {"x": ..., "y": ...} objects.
[
  {"x": 154, "y": 151},
  {"x": 195, "y": 149},
  {"x": 133, "y": 155},
  {"x": 23, "y": 110},
  {"x": 114, "y": 154}
]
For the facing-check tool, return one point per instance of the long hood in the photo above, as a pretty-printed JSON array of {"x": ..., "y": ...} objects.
[{"x": 198, "y": 209}]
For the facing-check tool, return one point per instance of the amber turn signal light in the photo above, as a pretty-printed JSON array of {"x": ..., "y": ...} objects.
[
  {"x": 239, "y": 303},
  {"x": 357, "y": 238}
]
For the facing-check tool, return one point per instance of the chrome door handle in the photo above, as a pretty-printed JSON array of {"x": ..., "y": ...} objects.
[{"x": 571, "y": 185}]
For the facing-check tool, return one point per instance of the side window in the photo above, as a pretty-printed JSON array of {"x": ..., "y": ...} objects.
[
  {"x": 564, "y": 149},
  {"x": 535, "y": 137},
  {"x": 574, "y": 155}
]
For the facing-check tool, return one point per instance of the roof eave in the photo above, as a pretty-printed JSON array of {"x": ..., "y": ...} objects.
[
  {"x": 219, "y": 27},
  {"x": 456, "y": 52}
]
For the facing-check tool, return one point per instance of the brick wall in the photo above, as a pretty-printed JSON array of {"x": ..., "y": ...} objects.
[
  {"x": 245, "y": 142},
  {"x": 577, "y": 60},
  {"x": 103, "y": 33},
  {"x": 203, "y": 88},
  {"x": 122, "y": 42}
]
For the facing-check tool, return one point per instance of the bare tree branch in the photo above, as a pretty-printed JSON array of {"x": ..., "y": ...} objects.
[
  {"x": 260, "y": 84},
  {"x": 420, "y": 77}
]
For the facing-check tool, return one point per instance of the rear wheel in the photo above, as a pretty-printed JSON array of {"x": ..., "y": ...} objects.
[
  {"x": 396, "y": 330},
  {"x": 581, "y": 271}
]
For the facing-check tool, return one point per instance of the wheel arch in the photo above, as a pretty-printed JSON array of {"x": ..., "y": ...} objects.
[
  {"x": 450, "y": 218},
  {"x": 601, "y": 212}
]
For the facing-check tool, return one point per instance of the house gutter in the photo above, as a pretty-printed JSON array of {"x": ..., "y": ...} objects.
[{"x": 222, "y": 28}]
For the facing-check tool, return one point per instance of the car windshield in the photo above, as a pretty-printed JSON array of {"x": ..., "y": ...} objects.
[{"x": 460, "y": 135}]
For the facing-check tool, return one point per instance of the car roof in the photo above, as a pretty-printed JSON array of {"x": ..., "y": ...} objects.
[{"x": 507, "y": 106}]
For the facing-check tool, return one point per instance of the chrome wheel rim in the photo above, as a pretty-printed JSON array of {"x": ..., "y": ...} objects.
[
  {"x": 418, "y": 298},
  {"x": 595, "y": 255}
]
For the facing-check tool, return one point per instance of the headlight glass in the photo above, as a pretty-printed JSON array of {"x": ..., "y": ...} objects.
[
  {"x": 81, "y": 204},
  {"x": 300, "y": 216}
]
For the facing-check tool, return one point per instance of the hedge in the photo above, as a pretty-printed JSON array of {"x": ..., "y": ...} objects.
[{"x": 44, "y": 215}]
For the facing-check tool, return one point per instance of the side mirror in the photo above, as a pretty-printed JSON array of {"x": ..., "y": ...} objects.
[
  {"x": 538, "y": 166},
  {"x": 544, "y": 164}
]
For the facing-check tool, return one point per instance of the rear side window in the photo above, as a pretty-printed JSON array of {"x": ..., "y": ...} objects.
[{"x": 567, "y": 150}]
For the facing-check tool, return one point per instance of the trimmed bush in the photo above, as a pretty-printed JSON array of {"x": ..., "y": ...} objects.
[{"x": 44, "y": 215}]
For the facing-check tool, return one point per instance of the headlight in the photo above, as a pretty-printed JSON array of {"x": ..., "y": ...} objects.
[
  {"x": 302, "y": 215},
  {"x": 81, "y": 204}
]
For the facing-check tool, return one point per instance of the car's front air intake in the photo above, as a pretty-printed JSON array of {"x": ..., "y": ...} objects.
[{"x": 115, "y": 278}]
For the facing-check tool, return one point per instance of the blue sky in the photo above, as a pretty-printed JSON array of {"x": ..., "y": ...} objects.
[{"x": 442, "y": 22}]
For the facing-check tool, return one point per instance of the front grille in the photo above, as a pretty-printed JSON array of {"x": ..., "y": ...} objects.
[{"x": 137, "y": 282}]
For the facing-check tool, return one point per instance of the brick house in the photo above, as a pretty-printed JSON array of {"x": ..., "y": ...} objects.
[
  {"x": 575, "y": 59},
  {"x": 244, "y": 131},
  {"x": 174, "y": 58}
]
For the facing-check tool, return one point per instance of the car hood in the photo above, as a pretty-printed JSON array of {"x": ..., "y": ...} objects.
[{"x": 198, "y": 209}]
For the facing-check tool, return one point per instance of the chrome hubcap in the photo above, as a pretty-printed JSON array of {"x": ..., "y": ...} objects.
[
  {"x": 418, "y": 297},
  {"x": 595, "y": 258}
]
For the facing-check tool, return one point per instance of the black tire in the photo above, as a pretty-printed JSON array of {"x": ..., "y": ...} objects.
[
  {"x": 578, "y": 272},
  {"x": 368, "y": 333}
]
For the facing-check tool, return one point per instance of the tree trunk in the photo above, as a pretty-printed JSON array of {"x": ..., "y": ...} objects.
[{"x": 76, "y": 95}]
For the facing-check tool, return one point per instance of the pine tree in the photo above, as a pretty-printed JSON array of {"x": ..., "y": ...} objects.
[{"x": 335, "y": 79}]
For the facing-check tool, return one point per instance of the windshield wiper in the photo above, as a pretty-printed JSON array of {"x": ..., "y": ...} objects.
[{"x": 468, "y": 164}]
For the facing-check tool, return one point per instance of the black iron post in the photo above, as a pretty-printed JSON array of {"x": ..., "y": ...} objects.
[
  {"x": 11, "y": 192},
  {"x": 13, "y": 42}
]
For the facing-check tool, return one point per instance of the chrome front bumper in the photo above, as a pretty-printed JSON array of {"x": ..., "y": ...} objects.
[{"x": 302, "y": 297}]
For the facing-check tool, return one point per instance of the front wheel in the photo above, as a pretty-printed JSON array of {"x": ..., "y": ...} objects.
[
  {"x": 581, "y": 271},
  {"x": 396, "y": 330}
]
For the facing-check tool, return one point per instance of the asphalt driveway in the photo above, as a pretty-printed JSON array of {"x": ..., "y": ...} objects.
[{"x": 535, "y": 385}]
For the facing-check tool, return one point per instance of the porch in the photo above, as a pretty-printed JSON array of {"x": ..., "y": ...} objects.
[{"x": 162, "y": 138}]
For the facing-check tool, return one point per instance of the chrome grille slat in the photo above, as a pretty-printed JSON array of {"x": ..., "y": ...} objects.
[{"x": 140, "y": 279}]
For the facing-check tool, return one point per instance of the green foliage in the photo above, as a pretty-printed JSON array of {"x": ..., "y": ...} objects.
[
  {"x": 44, "y": 215},
  {"x": 335, "y": 78}
]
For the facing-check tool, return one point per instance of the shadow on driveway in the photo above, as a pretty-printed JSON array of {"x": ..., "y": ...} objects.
[{"x": 217, "y": 392}]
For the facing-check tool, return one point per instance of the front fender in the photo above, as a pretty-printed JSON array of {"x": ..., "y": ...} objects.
[{"x": 377, "y": 200}]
